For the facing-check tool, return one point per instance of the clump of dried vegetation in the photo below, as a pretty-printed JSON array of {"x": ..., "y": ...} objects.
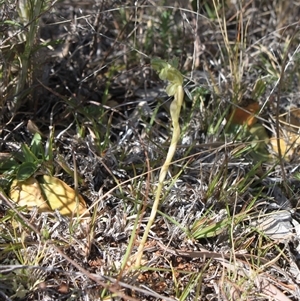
[{"x": 79, "y": 74}]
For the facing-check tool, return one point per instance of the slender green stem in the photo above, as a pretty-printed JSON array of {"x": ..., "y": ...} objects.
[{"x": 176, "y": 89}]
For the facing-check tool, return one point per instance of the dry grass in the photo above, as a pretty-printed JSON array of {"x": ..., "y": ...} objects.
[{"x": 227, "y": 226}]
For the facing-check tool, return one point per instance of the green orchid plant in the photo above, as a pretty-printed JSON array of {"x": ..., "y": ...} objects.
[{"x": 169, "y": 72}]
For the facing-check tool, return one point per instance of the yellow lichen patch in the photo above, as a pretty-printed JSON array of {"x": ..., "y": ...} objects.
[
  {"x": 62, "y": 197},
  {"x": 48, "y": 194},
  {"x": 288, "y": 142},
  {"x": 28, "y": 193},
  {"x": 289, "y": 138}
]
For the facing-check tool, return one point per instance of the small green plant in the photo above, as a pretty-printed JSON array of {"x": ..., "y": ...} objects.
[
  {"x": 32, "y": 158},
  {"x": 29, "y": 12},
  {"x": 175, "y": 88},
  {"x": 29, "y": 176},
  {"x": 162, "y": 30}
]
